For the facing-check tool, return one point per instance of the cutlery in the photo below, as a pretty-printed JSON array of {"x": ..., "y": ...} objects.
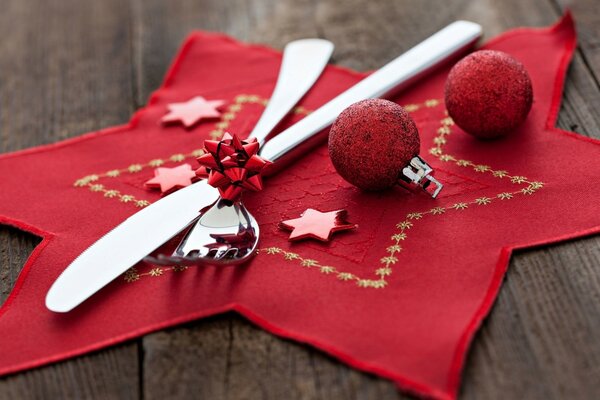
[
  {"x": 228, "y": 233},
  {"x": 152, "y": 226}
]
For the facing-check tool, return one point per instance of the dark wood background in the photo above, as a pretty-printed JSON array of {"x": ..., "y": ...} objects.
[{"x": 68, "y": 67}]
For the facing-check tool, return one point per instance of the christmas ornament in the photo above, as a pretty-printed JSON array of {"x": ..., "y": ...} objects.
[
  {"x": 171, "y": 179},
  {"x": 317, "y": 225},
  {"x": 374, "y": 144},
  {"x": 192, "y": 111},
  {"x": 232, "y": 165},
  {"x": 488, "y": 93}
]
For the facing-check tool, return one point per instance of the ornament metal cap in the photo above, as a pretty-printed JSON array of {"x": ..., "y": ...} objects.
[{"x": 419, "y": 174}]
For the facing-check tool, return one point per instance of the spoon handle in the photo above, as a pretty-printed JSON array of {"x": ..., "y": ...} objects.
[
  {"x": 442, "y": 46},
  {"x": 303, "y": 62}
]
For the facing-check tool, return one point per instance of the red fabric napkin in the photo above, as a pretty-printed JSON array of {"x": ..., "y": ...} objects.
[{"x": 401, "y": 297}]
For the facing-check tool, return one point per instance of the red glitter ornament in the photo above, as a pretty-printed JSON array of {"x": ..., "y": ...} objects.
[
  {"x": 488, "y": 93},
  {"x": 371, "y": 141},
  {"x": 231, "y": 165}
]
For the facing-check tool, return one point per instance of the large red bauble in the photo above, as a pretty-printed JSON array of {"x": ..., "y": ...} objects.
[
  {"x": 371, "y": 141},
  {"x": 488, "y": 93}
]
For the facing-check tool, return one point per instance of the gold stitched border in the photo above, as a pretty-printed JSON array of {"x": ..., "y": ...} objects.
[{"x": 393, "y": 250}]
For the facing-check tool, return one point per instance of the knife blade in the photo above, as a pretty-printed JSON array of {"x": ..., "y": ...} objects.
[{"x": 108, "y": 257}]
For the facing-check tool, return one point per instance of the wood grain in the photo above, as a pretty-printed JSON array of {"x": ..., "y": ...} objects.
[
  {"x": 79, "y": 66},
  {"x": 66, "y": 70}
]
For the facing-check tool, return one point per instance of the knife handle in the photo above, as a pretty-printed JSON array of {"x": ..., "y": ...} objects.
[{"x": 442, "y": 46}]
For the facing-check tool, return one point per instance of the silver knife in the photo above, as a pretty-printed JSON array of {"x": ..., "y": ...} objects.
[{"x": 109, "y": 257}]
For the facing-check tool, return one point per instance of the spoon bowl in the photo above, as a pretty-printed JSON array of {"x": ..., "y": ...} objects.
[{"x": 224, "y": 234}]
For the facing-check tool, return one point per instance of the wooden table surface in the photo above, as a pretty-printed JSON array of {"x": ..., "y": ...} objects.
[{"x": 69, "y": 67}]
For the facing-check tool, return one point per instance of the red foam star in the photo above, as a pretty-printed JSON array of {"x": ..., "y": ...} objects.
[
  {"x": 171, "y": 179},
  {"x": 317, "y": 225},
  {"x": 192, "y": 111}
]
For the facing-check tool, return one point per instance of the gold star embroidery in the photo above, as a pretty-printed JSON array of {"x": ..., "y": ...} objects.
[
  {"x": 345, "y": 276},
  {"x": 404, "y": 225},
  {"x": 482, "y": 201},
  {"x": 134, "y": 168},
  {"x": 415, "y": 215},
  {"x": 435, "y": 151},
  {"x": 447, "y": 121},
  {"x": 228, "y": 116},
  {"x": 111, "y": 193},
  {"x": 142, "y": 203},
  {"x": 131, "y": 275},
  {"x": 389, "y": 260},
  {"x": 156, "y": 163},
  {"x": 463, "y": 163},
  {"x": 536, "y": 185},
  {"x": 500, "y": 174},
  {"x": 198, "y": 152},
  {"x": 394, "y": 248},
  {"x": 386, "y": 271},
  {"x": 446, "y": 157},
  {"x": 399, "y": 236},
  {"x": 327, "y": 270},
  {"x": 156, "y": 272},
  {"x": 444, "y": 130},
  {"x": 179, "y": 268},
  {"x": 528, "y": 190},
  {"x": 291, "y": 256},
  {"x": 518, "y": 179},
  {"x": 309, "y": 263},
  {"x": 460, "y": 206},
  {"x": 177, "y": 157},
  {"x": 96, "y": 188},
  {"x": 363, "y": 283},
  {"x": 378, "y": 284},
  {"x": 438, "y": 210},
  {"x": 273, "y": 250},
  {"x": 126, "y": 198},
  {"x": 505, "y": 196},
  {"x": 114, "y": 173},
  {"x": 482, "y": 168}
]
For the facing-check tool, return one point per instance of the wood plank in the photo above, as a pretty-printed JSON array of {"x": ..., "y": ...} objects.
[{"x": 65, "y": 71}]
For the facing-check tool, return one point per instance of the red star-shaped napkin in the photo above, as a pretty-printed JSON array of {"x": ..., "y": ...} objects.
[
  {"x": 171, "y": 179},
  {"x": 317, "y": 225},
  {"x": 192, "y": 111}
]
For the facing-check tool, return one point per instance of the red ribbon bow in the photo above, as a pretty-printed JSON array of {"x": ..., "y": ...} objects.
[{"x": 231, "y": 165}]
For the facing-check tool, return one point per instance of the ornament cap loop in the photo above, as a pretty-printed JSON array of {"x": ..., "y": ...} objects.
[{"x": 419, "y": 174}]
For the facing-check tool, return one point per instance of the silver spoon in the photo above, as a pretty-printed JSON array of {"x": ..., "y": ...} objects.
[{"x": 227, "y": 233}]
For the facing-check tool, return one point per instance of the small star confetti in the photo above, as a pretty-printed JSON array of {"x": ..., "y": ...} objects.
[
  {"x": 192, "y": 111},
  {"x": 170, "y": 179},
  {"x": 317, "y": 225}
]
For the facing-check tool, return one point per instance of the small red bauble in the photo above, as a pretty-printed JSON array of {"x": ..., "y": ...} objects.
[
  {"x": 488, "y": 93},
  {"x": 371, "y": 141}
]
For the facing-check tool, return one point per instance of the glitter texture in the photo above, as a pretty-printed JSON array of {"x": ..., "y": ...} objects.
[
  {"x": 371, "y": 141},
  {"x": 488, "y": 94}
]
